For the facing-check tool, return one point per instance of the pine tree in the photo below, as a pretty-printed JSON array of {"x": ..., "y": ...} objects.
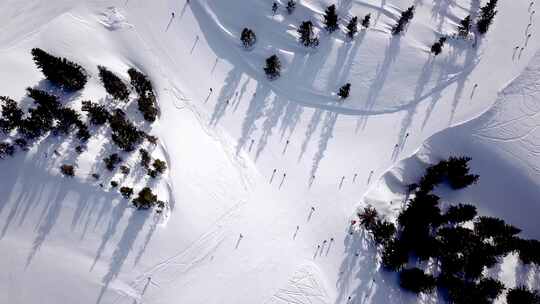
[
  {"x": 146, "y": 199},
  {"x": 274, "y": 7},
  {"x": 113, "y": 84},
  {"x": 437, "y": 47},
  {"x": 248, "y": 38},
  {"x": 147, "y": 100},
  {"x": 464, "y": 27},
  {"x": 6, "y": 149},
  {"x": 405, "y": 18},
  {"x": 331, "y": 18},
  {"x": 67, "y": 170},
  {"x": 366, "y": 21},
  {"x": 291, "y": 5},
  {"x": 60, "y": 71},
  {"x": 460, "y": 214},
  {"x": 522, "y": 295},
  {"x": 98, "y": 114},
  {"x": 124, "y": 134},
  {"x": 352, "y": 27},
  {"x": 273, "y": 67},
  {"x": 111, "y": 161},
  {"x": 487, "y": 14},
  {"x": 344, "y": 91},
  {"x": 416, "y": 280},
  {"x": 159, "y": 167},
  {"x": 11, "y": 114},
  {"x": 126, "y": 192},
  {"x": 307, "y": 37}
]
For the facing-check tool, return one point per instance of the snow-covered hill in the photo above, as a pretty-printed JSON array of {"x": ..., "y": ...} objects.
[{"x": 251, "y": 157}]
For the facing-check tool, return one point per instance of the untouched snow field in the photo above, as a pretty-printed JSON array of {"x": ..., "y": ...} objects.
[{"x": 252, "y": 157}]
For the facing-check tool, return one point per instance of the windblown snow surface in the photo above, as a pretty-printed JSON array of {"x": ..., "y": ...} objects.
[{"x": 253, "y": 156}]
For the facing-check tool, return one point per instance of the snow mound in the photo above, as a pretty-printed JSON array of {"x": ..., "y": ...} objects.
[{"x": 113, "y": 20}]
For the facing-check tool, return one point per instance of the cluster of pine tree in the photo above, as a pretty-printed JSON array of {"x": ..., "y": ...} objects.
[
  {"x": 60, "y": 71},
  {"x": 405, "y": 18},
  {"x": 273, "y": 67},
  {"x": 124, "y": 134},
  {"x": 307, "y": 35},
  {"x": 147, "y": 99},
  {"x": 437, "y": 47},
  {"x": 461, "y": 254},
  {"x": 146, "y": 200}
]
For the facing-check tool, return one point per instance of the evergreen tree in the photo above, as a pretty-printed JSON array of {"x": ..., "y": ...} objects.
[
  {"x": 146, "y": 199},
  {"x": 366, "y": 21},
  {"x": 352, "y": 27},
  {"x": 159, "y": 168},
  {"x": 415, "y": 280},
  {"x": 368, "y": 217},
  {"x": 529, "y": 251},
  {"x": 460, "y": 214},
  {"x": 60, "y": 71},
  {"x": 464, "y": 27},
  {"x": 487, "y": 14},
  {"x": 147, "y": 100},
  {"x": 405, "y": 18},
  {"x": 126, "y": 192},
  {"x": 331, "y": 18},
  {"x": 394, "y": 255},
  {"x": 522, "y": 295},
  {"x": 344, "y": 91},
  {"x": 274, "y": 7},
  {"x": 145, "y": 158},
  {"x": 437, "y": 47},
  {"x": 98, "y": 114},
  {"x": 383, "y": 231},
  {"x": 307, "y": 36},
  {"x": 111, "y": 161},
  {"x": 113, "y": 84},
  {"x": 6, "y": 149},
  {"x": 248, "y": 38},
  {"x": 291, "y": 5},
  {"x": 273, "y": 67},
  {"x": 11, "y": 114},
  {"x": 67, "y": 170},
  {"x": 124, "y": 134}
]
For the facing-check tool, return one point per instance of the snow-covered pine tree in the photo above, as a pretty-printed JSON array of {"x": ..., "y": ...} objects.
[
  {"x": 273, "y": 67},
  {"x": 60, "y": 71},
  {"x": 331, "y": 18},
  {"x": 405, "y": 18},
  {"x": 344, "y": 91},
  {"x": 352, "y": 27},
  {"x": 307, "y": 37},
  {"x": 248, "y": 38},
  {"x": 291, "y": 5},
  {"x": 487, "y": 13},
  {"x": 437, "y": 47},
  {"x": 366, "y": 21},
  {"x": 274, "y": 8},
  {"x": 464, "y": 27}
]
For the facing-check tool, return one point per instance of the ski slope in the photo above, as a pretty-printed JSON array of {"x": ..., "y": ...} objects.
[{"x": 252, "y": 157}]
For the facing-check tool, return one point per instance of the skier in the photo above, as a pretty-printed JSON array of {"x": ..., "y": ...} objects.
[
  {"x": 312, "y": 209},
  {"x": 172, "y": 14}
]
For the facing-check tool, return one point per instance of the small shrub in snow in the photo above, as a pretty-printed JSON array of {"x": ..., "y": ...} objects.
[
  {"x": 145, "y": 158},
  {"x": 114, "y": 184},
  {"x": 464, "y": 27},
  {"x": 125, "y": 170},
  {"x": 274, "y": 7},
  {"x": 113, "y": 84},
  {"x": 67, "y": 170},
  {"x": 60, "y": 71}
]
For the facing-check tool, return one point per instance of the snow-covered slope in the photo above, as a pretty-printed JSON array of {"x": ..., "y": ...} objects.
[{"x": 72, "y": 241}]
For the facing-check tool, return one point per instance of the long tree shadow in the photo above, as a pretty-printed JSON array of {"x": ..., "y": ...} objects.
[
  {"x": 326, "y": 134},
  {"x": 226, "y": 94},
  {"x": 272, "y": 115},
  {"x": 310, "y": 130},
  {"x": 253, "y": 113},
  {"x": 123, "y": 248}
]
